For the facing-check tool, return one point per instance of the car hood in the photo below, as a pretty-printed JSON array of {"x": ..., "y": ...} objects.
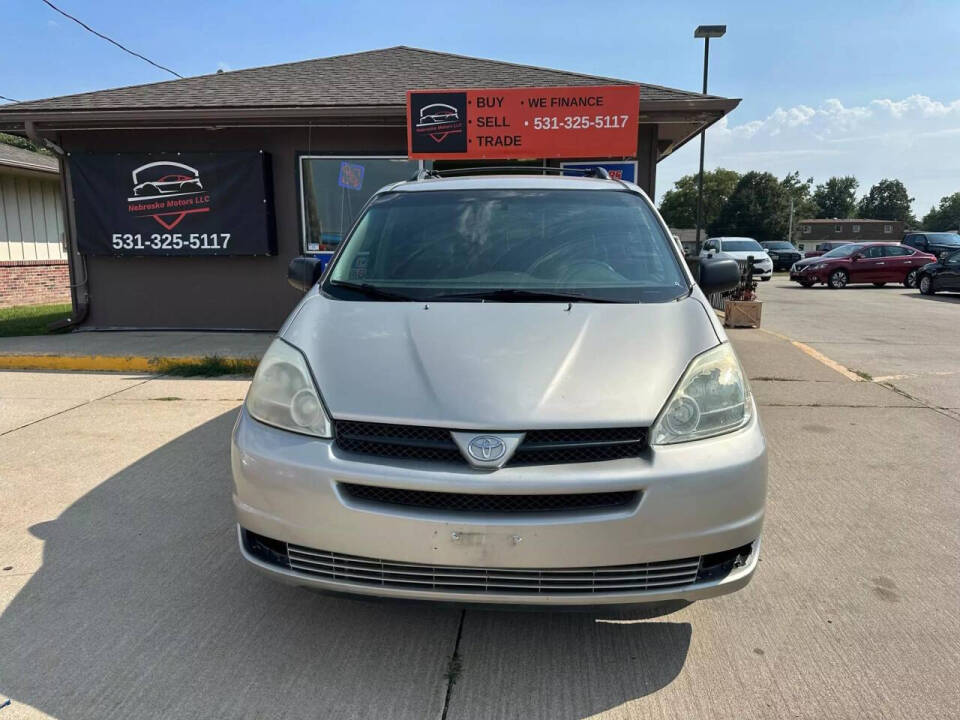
[
  {"x": 499, "y": 366},
  {"x": 811, "y": 261}
]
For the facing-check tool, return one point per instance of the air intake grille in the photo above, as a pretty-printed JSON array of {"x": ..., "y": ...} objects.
[
  {"x": 480, "y": 503},
  {"x": 539, "y": 447},
  {"x": 445, "y": 578}
]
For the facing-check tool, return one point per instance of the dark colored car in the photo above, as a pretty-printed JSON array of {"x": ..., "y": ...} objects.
[
  {"x": 935, "y": 243},
  {"x": 782, "y": 253},
  {"x": 878, "y": 263},
  {"x": 941, "y": 275},
  {"x": 825, "y": 247}
]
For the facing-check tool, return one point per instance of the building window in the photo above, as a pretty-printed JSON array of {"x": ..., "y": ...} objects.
[
  {"x": 806, "y": 229},
  {"x": 838, "y": 227},
  {"x": 856, "y": 228},
  {"x": 887, "y": 229},
  {"x": 333, "y": 189}
]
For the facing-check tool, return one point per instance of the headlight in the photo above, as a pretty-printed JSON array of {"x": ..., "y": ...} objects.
[
  {"x": 819, "y": 266},
  {"x": 712, "y": 398},
  {"x": 283, "y": 393}
]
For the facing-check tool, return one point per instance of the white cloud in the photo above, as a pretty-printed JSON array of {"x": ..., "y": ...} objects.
[{"x": 916, "y": 139}]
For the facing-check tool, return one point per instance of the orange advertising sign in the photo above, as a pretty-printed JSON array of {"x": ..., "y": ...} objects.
[{"x": 510, "y": 123}]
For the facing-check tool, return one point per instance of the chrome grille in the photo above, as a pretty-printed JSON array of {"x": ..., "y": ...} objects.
[{"x": 446, "y": 578}]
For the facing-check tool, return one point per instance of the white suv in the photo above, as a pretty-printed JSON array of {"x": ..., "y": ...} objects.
[{"x": 741, "y": 248}]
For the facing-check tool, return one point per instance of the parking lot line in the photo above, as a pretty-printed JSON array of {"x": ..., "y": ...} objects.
[{"x": 818, "y": 356}]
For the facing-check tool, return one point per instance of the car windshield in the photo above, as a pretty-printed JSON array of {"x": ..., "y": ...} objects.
[
  {"x": 778, "y": 246},
  {"x": 505, "y": 245},
  {"x": 739, "y": 245},
  {"x": 843, "y": 251},
  {"x": 944, "y": 238}
]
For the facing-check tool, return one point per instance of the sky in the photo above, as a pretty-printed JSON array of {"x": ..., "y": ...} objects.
[{"x": 870, "y": 89}]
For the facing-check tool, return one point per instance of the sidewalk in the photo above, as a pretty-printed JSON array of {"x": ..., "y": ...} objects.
[{"x": 128, "y": 351}]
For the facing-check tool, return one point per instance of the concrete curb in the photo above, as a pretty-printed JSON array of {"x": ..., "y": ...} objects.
[{"x": 105, "y": 363}]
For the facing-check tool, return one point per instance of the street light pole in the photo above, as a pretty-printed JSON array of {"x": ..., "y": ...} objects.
[{"x": 706, "y": 32}]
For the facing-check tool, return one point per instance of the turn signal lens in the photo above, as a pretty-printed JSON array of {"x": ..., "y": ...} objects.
[
  {"x": 712, "y": 398},
  {"x": 283, "y": 393}
]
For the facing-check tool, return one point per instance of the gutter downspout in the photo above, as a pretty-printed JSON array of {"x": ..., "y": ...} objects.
[{"x": 79, "y": 292}]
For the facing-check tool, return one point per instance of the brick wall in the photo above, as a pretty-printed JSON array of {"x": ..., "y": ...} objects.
[{"x": 34, "y": 282}]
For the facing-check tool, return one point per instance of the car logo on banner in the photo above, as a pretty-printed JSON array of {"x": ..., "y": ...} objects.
[
  {"x": 438, "y": 121},
  {"x": 167, "y": 191}
]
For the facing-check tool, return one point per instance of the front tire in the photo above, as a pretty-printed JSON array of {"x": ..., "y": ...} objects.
[
  {"x": 838, "y": 279},
  {"x": 926, "y": 285},
  {"x": 910, "y": 280},
  {"x": 765, "y": 279}
]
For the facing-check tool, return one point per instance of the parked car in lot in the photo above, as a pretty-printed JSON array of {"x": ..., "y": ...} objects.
[
  {"x": 504, "y": 389},
  {"x": 782, "y": 253},
  {"x": 825, "y": 247},
  {"x": 741, "y": 248},
  {"x": 941, "y": 275},
  {"x": 939, "y": 244},
  {"x": 878, "y": 263}
]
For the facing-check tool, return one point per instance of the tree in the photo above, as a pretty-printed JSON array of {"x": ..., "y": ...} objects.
[
  {"x": 837, "y": 197},
  {"x": 945, "y": 216},
  {"x": 887, "y": 200},
  {"x": 22, "y": 143},
  {"x": 679, "y": 205},
  {"x": 801, "y": 193},
  {"x": 758, "y": 208}
]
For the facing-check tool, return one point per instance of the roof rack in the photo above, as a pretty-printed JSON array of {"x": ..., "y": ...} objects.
[{"x": 593, "y": 172}]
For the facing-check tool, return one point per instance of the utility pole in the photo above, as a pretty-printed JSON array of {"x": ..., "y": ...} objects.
[{"x": 706, "y": 32}]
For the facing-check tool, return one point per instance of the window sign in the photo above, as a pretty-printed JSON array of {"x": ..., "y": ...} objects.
[{"x": 334, "y": 189}]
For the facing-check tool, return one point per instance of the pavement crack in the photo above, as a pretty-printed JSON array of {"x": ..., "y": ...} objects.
[
  {"x": 73, "y": 407},
  {"x": 454, "y": 667}
]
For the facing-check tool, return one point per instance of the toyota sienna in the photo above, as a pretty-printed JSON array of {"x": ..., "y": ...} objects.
[{"x": 504, "y": 389}]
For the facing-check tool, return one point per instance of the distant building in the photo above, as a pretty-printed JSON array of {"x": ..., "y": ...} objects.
[
  {"x": 33, "y": 264},
  {"x": 810, "y": 232}
]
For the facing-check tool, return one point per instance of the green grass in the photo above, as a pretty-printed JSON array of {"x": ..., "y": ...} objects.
[
  {"x": 209, "y": 366},
  {"x": 31, "y": 319}
]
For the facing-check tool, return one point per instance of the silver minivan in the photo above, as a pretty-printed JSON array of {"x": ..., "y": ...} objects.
[{"x": 504, "y": 389}]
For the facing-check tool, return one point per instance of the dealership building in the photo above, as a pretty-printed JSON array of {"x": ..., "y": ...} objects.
[{"x": 185, "y": 200}]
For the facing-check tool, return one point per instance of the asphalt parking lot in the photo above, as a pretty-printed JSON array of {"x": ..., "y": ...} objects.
[{"x": 122, "y": 594}]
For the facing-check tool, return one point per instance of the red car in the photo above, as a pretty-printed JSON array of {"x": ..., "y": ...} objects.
[{"x": 873, "y": 262}]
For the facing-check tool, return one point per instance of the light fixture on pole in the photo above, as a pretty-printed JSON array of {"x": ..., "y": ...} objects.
[{"x": 706, "y": 32}]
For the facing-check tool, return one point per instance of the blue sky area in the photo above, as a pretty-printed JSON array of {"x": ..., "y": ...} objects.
[{"x": 863, "y": 88}]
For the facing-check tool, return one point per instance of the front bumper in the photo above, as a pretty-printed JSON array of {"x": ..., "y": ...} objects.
[{"x": 697, "y": 499}]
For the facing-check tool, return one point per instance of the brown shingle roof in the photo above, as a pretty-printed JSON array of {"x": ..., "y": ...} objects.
[
  {"x": 374, "y": 78},
  {"x": 12, "y": 156}
]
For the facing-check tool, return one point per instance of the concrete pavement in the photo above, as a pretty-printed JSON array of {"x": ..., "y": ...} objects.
[
  {"x": 895, "y": 335},
  {"x": 122, "y": 594}
]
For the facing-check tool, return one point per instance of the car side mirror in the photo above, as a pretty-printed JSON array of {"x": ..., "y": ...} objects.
[
  {"x": 856, "y": 256},
  {"x": 718, "y": 274},
  {"x": 304, "y": 272}
]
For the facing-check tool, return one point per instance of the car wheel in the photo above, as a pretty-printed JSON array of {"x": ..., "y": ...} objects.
[
  {"x": 765, "y": 279},
  {"x": 879, "y": 284},
  {"x": 838, "y": 279},
  {"x": 926, "y": 285},
  {"x": 911, "y": 280},
  {"x": 806, "y": 283}
]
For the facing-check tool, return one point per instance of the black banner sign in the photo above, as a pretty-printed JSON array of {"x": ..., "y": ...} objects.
[{"x": 173, "y": 203}]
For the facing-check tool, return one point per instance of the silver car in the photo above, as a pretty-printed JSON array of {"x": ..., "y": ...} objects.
[{"x": 504, "y": 389}]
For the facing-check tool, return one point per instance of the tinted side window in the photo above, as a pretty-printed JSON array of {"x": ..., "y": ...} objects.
[
  {"x": 896, "y": 251},
  {"x": 910, "y": 240}
]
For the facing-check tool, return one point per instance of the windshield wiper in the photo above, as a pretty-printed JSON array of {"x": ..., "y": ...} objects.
[
  {"x": 519, "y": 295},
  {"x": 372, "y": 291}
]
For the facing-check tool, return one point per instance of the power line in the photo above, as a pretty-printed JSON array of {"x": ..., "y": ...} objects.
[
  {"x": 4, "y": 97},
  {"x": 110, "y": 40}
]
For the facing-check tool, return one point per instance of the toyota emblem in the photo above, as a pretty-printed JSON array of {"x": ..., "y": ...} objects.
[{"x": 486, "y": 448}]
